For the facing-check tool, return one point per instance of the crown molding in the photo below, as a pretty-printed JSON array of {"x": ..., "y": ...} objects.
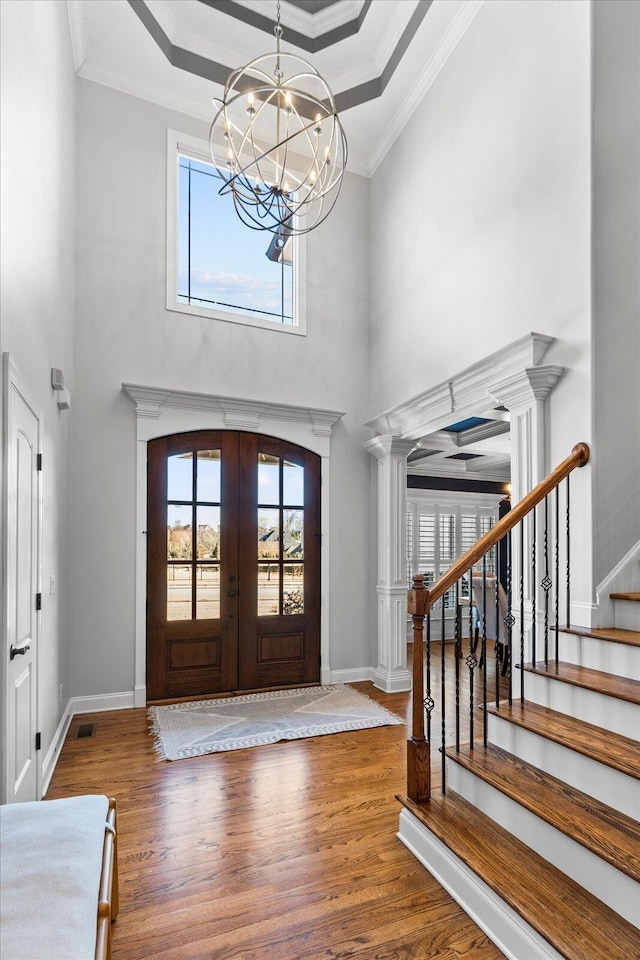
[
  {"x": 457, "y": 29},
  {"x": 312, "y": 24},
  {"x": 464, "y": 394}
]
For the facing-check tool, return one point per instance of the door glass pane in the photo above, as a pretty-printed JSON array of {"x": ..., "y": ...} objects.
[
  {"x": 178, "y": 532},
  {"x": 180, "y": 477},
  {"x": 208, "y": 591},
  {"x": 208, "y": 475},
  {"x": 293, "y": 533},
  {"x": 268, "y": 479},
  {"x": 208, "y": 538},
  {"x": 292, "y": 484},
  {"x": 293, "y": 588},
  {"x": 268, "y": 534},
  {"x": 268, "y": 589},
  {"x": 178, "y": 591}
]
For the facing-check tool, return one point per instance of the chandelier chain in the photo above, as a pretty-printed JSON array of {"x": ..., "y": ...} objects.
[{"x": 278, "y": 32}]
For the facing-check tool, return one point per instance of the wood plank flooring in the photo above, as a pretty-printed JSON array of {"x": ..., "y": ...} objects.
[{"x": 285, "y": 852}]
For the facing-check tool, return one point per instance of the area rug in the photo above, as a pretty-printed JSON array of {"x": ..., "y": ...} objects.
[{"x": 231, "y": 723}]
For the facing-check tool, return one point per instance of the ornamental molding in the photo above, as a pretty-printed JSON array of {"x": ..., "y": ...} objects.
[
  {"x": 522, "y": 387},
  {"x": 236, "y": 413},
  {"x": 389, "y": 446},
  {"x": 466, "y": 393}
]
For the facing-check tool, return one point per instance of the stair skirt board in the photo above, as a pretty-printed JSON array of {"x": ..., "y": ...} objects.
[
  {"x": 600, "y": 781},
  {"x": 504, "y": 927},
  {"x": 610, "y": 713},
  {"x": 611, "y": 886},
  {"x": 606, "y": 655}
]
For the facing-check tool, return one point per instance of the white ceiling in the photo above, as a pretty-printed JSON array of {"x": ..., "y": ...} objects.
[{"x": 400, "y": 45}]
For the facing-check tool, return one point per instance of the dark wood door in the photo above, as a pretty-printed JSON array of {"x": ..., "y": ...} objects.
[{"x": 233, "y": 564}]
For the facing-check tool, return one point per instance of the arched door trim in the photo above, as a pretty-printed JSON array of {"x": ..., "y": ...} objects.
[{"x": 164, "y": 411}]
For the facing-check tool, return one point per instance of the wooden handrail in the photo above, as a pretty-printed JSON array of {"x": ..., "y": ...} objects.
[{"x": 578, "y": 457}]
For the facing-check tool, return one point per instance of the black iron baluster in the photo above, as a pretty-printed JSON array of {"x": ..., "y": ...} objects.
[
  {"x": 443, "y": 699},
  {"x": 557, "y": 525},
  {"x": 568, "y": 523},
  {"x": 472, "y": 663},
  {"x": 509, "y": 619},
  {"x": 498, "y": 643},
  {"x": 428, "y": 700},
  {"x": 534, "y": 585},
  {"x": 485, "y": 721},
  {"x": 457, "y": 654},
  {"x": 522, "y": 611},
  {"x": 546, "y": 582}
]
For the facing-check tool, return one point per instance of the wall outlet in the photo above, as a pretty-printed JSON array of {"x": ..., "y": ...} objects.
[
  {"x": 60, "y": 693},
  {"x": 52, "y": 585}
]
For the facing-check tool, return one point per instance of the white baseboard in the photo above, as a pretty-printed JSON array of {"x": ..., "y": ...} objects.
[
  {"x": 51, "y": 758},
  {"x": 504, "y": 927},
  {"x": 391, "y": 682},
  {"x": 101, "y": 702},
  {"x": 353, "y": 675}
]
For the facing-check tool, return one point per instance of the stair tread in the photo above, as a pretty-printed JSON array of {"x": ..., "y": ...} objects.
[
  {"x": 611, "y": 835},
  {"x": 615, "y": 634},
  {"x": 625, "y": 596},
  {"x": 573, "y": 921},
  {"x": 622, "y": 688},
  {"x": 611, "y": 749}
]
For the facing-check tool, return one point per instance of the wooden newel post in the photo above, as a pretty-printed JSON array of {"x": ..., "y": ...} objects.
[{"x": 418, "y": 750}]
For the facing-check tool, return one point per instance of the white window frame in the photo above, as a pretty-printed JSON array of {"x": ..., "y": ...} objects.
[{"x": 196, "y": 149}]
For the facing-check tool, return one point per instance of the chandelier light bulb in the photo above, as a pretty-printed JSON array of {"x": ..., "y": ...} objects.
[{"x": 265, "y": 143}]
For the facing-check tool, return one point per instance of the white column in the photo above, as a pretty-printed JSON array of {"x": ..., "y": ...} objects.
[
  {"x": 391, "y": 674},
  {"x": 524, "y": 393}
]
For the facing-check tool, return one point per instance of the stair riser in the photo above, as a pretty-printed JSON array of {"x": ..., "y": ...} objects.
[
  {"x": 627, "y": 614},
  {"x": 611, "y": 886},
  {"x": 621, "y": 659},
  {"x": 598, "y": 780},
  {"x": 620, "y": 716}
]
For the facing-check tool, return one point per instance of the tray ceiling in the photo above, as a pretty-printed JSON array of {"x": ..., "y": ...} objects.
[{"x": 378, "y": 56}]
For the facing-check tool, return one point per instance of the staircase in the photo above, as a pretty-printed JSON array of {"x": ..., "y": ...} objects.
[{"x": 538, "y": 836}]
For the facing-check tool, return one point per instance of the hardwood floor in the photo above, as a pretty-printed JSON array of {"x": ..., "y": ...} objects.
[{"x": 285, "y": 852}]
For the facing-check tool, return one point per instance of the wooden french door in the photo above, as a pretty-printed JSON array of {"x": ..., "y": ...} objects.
[{"x": 233, "y": 564}]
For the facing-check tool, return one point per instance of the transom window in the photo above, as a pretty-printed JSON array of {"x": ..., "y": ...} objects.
[{"x": 216, "y": 265}]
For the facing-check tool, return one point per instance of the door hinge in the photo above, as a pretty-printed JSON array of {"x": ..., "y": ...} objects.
[
  {"x": 38, "y": 601},
  {"x": 39, "y": 462},
  {"x": 38, "y": 741}
]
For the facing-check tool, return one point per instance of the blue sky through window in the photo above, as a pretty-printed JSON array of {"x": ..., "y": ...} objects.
[{"x": 229, "y": 269}]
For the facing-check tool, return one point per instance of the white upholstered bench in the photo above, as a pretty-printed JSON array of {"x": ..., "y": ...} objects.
[{"x": 58, "y": 879}]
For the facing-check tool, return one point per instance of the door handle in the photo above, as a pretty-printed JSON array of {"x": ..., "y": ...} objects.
[
  {"x": 18, "y": 651},
  {"x": 232, "y": 593}
]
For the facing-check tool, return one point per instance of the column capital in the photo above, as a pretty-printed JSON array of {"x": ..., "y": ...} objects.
[
  {"x": 386, "y": 445},
  {"x": 523, "y": 387}
]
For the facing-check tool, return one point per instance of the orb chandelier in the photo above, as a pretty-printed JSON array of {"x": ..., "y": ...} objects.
[{"x": 278, "y": 144}]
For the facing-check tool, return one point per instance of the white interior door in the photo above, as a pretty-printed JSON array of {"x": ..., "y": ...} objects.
[{"x": 22, "y": 773}]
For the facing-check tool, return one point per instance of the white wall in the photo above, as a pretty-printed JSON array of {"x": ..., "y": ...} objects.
[
  {"x": 125, "y": 333},
  {"x": 480, "y": 220},
  {"x": 616, "y": 260},
  {"x": 37, "y": 115}
]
